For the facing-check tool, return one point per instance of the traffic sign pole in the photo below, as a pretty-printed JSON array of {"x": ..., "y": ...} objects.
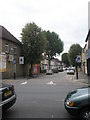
[
  {"x": 14, "y": 69},
  {"x": 76, "y": 72}
]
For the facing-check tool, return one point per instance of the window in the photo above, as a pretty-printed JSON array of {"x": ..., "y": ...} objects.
[
  {"x": 15, "y": 50},
  {"x": 7, "y": 48}
]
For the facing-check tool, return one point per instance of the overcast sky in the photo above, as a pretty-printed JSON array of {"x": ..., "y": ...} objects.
[{"x": 68, "y": 18}]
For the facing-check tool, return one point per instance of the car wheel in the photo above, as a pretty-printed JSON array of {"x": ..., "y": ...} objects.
[{"x": 85, "y": 114}]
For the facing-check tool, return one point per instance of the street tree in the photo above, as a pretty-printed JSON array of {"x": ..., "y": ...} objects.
[
  {"x": 54, "y": 45},
  {"x": 65, "y": 59},
  {"x": 34, "y": 43},
  {"x": 74, "y": 51}
]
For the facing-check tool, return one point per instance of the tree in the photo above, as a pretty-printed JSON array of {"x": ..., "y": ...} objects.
[
  {"x": 34, "y": 43},
  {"x": 65, "y": 59},
  {"x": 74, "y": 51},
  {"x": 54, "y": 45}
]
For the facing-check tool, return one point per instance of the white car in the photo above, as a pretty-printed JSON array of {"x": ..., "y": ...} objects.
[{"x": 70, "y": 71}]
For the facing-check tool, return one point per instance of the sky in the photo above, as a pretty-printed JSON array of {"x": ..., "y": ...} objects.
[{"x": 68, "y": 18}]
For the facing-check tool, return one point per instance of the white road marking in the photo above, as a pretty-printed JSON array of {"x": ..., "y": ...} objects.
[
  {"x": 51, "y": 83},
  {"x": 24, "y": 83},
  {"x": 71, "y": 78}
]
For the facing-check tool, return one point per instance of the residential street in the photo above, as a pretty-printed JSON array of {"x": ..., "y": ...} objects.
[
  {"x": 42, "y": 97},
  {"x": 45, "y": 59}
]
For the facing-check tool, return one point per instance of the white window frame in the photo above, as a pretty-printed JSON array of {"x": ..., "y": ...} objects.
[
  {"x": 15, "y": 50},
  {"x": 7, "y": 48}
]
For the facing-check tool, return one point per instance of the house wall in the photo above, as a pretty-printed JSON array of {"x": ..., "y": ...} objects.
[
  {"x": 44, "y": 65},
  {"x": 89, "y": 15},
  {"x": 55, "y": 64},
  {"x": 83, "y": 62},
  {"x": 10, "y": 66},
  {"x": 89, "y": 42},
  {"x": 85, "y": 59},
  {"x": 0, "y": 61},
  {"x": 88, "y": 60}
]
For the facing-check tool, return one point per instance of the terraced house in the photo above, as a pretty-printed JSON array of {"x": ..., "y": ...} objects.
[{"x": 10, "y": 55}]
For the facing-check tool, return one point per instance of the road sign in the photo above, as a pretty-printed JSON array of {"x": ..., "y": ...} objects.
[
  {"x": 78, "y": 59},
  {"x": 21, "y": 60},
  {"x": 14, "y": 61}
]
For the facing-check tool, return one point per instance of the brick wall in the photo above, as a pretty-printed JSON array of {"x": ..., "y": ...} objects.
[{"x": 10, "y": 66}]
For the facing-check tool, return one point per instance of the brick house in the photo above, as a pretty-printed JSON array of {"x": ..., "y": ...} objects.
[
  {"x": 84, "y": 61},
  {"x": 55, "y": 64},
  {"x": 44, "y": 64},
  {"x": 10, "y": 52}
]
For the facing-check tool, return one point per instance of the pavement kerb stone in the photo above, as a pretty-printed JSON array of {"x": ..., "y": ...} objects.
[
  {"x": 80, "y": 80},
  {"x": 83, "y": 80},
  {"x": 22, "y": 78}
]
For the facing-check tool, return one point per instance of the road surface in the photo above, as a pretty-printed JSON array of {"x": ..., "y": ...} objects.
[{"x": 42, "y": 97}]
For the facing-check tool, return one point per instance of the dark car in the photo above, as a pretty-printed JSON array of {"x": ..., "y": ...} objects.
[
  {"x": 77, "y": 103},
  {"x": 7, "y": 96},
  {"x": 49, "y": 72},
  {"x": 55, "y": 70},
  {"x": 60, "y": 69}
]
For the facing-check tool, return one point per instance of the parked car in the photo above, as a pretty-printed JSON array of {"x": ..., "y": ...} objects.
[
  {"x": 49, "y": 72},
  {"x": 60, "y": 69},
  {"x": 64, "y": 69},
  {"x": 77, "y": 103},
  {"x": 55, "y": 70},
  {"x": 70, "y": 71},
  {"x": 8, "y": 96}
]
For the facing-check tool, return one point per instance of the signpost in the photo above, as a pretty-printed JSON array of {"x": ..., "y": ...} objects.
[
  {"x": 14, "y": 69},
  {"x": 78, "y": 60}
]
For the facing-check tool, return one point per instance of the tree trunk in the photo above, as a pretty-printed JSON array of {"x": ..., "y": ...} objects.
[
  {"x": 24, "y": 74},
  {"x": 49, "y": 61},
  {"x": 31, "y": 69},
  {"x": 49, "y": 64}
]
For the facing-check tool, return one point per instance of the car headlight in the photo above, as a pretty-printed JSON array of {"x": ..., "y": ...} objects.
[{"x": 70, "y": 103}]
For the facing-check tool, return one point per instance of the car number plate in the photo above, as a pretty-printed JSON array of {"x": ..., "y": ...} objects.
[{"x": 8, "y": 93}]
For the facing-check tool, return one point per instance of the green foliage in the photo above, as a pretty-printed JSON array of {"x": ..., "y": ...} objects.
[
  {"x": 65, "y": 59},
  {"x": 54, "y": 45},
  {"x": 74, "y": 50},
  {"x": 34, "y": 43}
]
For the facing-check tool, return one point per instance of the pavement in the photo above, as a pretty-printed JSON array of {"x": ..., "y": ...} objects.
[
  {"x": 22, "y": 78},
  {"x": 82, "y": 78}
]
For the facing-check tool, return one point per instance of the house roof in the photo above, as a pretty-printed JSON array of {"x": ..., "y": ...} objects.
[
  {"x": 5, "y": 34},
  {"x": 87, "y": 36}
]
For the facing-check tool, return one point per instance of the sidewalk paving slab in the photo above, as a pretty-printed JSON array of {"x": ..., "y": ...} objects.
[{"x": 82, "y": 78}]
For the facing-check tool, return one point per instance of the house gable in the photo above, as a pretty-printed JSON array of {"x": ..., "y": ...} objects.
[{"x": 5, "y": 34}]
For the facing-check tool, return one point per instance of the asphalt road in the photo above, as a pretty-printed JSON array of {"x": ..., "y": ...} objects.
[{"x": 42, "y": 97}]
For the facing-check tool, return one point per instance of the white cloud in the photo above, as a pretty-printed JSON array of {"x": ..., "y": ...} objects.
[{"x": 69, "y": 18}]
